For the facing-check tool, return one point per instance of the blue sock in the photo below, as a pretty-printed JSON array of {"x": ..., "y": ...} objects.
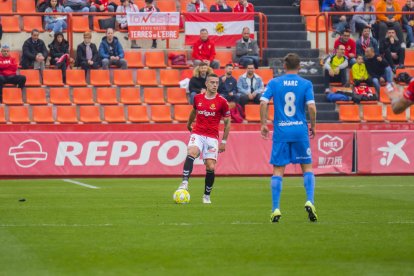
[
  {"x": 309, "y": 183},
  {"x": 276, "y": 185}
]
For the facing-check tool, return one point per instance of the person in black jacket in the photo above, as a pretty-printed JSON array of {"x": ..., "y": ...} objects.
[
  {"x": 220, "y": 6},
  {"x": 408, "y": 23},
  {"x": 378, "y": 69},
  {"x": 59, "y": 54},
  {"x": 87, "y": 55},
  {"x": 390, "y": 48},
  {"x": 34, "y": 52},
  {"x": 340, "y": 22},
  {"x": 197, "y": 83},
  {"x": 228, "y": 85}
]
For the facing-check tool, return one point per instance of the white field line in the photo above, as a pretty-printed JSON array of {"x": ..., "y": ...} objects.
[
  {"x": 80, "y": 184},
  {"x": 55, "y": 225}
]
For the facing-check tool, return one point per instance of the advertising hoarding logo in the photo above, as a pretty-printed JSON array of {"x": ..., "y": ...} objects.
[
  {"x": 28, "y": 153},
  {"x": 328, "y": 144},
  {"x": 393, "y": 150}
]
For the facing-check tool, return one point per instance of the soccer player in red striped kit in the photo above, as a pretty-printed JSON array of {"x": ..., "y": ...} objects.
[{"x": 209, "y": 108}]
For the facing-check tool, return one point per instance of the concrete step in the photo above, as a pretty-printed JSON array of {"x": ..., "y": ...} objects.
[
  {"x": 283, "y": 26},
  {"x": 257, "y": 3},
  {"x": 276, "y": 18},
  {"x": 279, "y": 53},
  {"x": 287, "y": 35},
  {"x": 277, "y": 9},
  {"x": 289, "y": 44}
]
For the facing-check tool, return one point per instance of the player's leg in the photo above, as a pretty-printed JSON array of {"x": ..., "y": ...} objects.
[
  {"x": 210, "y": 154},
  {"x": 193, "y": 151}
]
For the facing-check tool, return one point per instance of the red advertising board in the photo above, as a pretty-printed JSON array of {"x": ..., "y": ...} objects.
[
  {"x": 381, "y": 152},
  {"x": 153, "y": 153}
]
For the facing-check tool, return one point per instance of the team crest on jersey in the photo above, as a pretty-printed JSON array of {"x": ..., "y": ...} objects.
[{"x": 213, "y": 107}]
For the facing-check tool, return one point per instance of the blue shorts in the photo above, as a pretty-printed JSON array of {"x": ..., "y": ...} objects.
[{"x": 284, "y": 153}]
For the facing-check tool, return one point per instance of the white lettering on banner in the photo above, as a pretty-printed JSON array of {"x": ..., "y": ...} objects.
[
  {"x": 145, "y": 153},
  {"x": 157, "y": 18},
  {"x": 328, "y": 144},
  {"x": 393, "y": 150},
  {"x": 68, "y": 150},
  {"x": 330, "y": 162},
  {"x": 118, "y": 152},
  {"x": 166, "y": 147},
  {"x": 93, "y": 152}
]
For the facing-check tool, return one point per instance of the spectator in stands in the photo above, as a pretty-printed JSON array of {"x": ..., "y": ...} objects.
[
  {"x": 126, "y": 6},
  {"x": 196, "y": 6},
  {"x": 250, "y": 86},
  {"x": 386, "y": 21},
  {"x": 56, "y": 23},
  {"x": 205, "y": 51},
  {"x": 8, "y": 69},
  {"x": 408, "y": 22},
  {"x": 327, "y": 5},
  {"x": 365, "y": 41},
  {"x": 360, "y": 21},
  {"x": 76, "y": 5},
  {"x": 359, "y": 72},
  {"x": 59, "y": 54},
  {"x": 197, "y": 83},
  {"x": 149, "y": 7},
  {"x": 244, "y": 6},
  {"x": 350, "y": 46},
  {"x": 1, "y": 32},
  {"x": 228, "y": 85},
  {"x": 335, "y": 68},
  {"x": 391, "y": 49},
  {"x": 352, "y": 4},
  {"x": 220, "y": 6},
  {"x": 111, "y": 51},
  {"x": 247, "y": 50},
  {"x": 34, "y": 52},
  {"x": 340, "y": 22},
  {"x": 378, "y": 69},
  {"x": 87, "y": 55},
  {"x": 102, "y": 6}
]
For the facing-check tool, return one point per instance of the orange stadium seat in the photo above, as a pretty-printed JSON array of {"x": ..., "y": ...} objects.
[
  {"x": 311, "y": 24},
  {"x": 76, "y": 78},
  {"x": 155, "y": 59},
  {"x": 140, "y": 3},
  {"x": 32, "y": 22},
  {"x": 130, "y": 95},
  {"x": 186, "y": 73},
  {"x": 36, "y": 95},
  {"x": 6, "y": 6},
  {"x": 224, "y": 57},
  {"x": 392, "y": 117},
  {"x": 32, "y": 77},
  {"x": 123, "y": 78},
  {"x": 42, "y": 114},
  {"x": 412, "y": 114},
  {"x": 309, "y": 7},
  {"x": 59, "y": 95},
  {"x": 182, "y": 112},
  {"x": 25, "y": 6},
  {"x": 19, "y": 114},
  {"x": 2, "y": 115},
  {"x": 147, "y": 77},
  {"x": 16, "y": 56},
  {"x": 10, "y": 24},
  {"x": 175, "y": 53},
  {"x": 114, "y": 114},
  {"x": 52, "y": 77},
  {"x": 349, "y": 113},
  {"x": 409, "y": 58},
  {"x": 154, "y": 95},
  {"x": 89, "y": 114},
  {"x": 170, "y": 77},
  {"x": 161, "y": 113},
  {"x": 83, "y": 95},
  {"x": 96, "y": 27},
  {"x": 100, "y": 78},
  {"x": 266, "y": 74},
  {"x": 252, "y": 112},
  {"x": 66, "y": 114},
  {"x": 12, "y": 96},
  {"x": 176, "y": 95},
  {"x": 166, "y": 6},
  {"x": 138, "y": 114},
  {"x": 80, "y": 24},
  {"x": 106, "y": 95},
  {"x": 134, "y": 59},
  {"x": 383, "y": 96},
  {"x": 237, "y": 73},
  {"x": 372, "y": 113}
]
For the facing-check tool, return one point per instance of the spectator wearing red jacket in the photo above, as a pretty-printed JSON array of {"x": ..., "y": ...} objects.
[
  {"x": 244, "y": 6},
  {"x": 350, "y": 46},
  {"x": 205, "y": 51},
  {"x": 8, "y": 68},
  {"x": 102, "y": 6}
]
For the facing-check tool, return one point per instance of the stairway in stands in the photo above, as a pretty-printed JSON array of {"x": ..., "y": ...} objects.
[{"x": 286, "y": 34}]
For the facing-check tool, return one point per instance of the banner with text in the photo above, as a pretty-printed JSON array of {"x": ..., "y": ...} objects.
[
  {"x": 385, "y": 152},
  {"x": 153, "y": 153},
  {"x": 153, "y": 25},
  {"x": 224, "y": 28}
]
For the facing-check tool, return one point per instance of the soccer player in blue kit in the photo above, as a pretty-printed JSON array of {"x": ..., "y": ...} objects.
[{"x": 291, "y": 94}]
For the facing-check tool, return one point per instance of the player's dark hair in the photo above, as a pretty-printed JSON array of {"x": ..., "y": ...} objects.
[
  {"x": 212, "y": 76},
  {"x": 229, "y": 64},
  {"x": 292, "y": 61},
  {"x": 202, "y": 64}
]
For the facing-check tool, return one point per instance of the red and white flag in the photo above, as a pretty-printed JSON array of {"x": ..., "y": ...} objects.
[{"x": 224, "y": 28}]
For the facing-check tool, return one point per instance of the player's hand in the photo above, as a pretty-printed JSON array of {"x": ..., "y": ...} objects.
[
  {"x": 312, "y": 132},
  {"x": 265, "y": 132},
  {"x": 222, "y": 147}
]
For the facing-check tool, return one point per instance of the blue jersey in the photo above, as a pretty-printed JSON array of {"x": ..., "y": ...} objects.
[{"x": 291, "y": 93}]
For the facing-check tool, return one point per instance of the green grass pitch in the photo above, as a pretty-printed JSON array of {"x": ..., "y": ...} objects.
[{"x": 132, "y": 227}]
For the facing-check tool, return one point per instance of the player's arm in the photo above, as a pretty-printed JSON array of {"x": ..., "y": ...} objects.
[
  {"x": 263, "y": 119},
  {"x": 312, "y": 116},
  {"x": 227, "y": 123},
  {"x": 399, "y": 105},
  {"x": 191, "y": 119}
]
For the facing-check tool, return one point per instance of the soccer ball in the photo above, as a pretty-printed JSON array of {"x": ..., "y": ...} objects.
[{"x": 181, "y": 196}]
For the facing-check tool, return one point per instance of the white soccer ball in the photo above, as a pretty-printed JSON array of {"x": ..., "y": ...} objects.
[{"x": 181, "y": 196}]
